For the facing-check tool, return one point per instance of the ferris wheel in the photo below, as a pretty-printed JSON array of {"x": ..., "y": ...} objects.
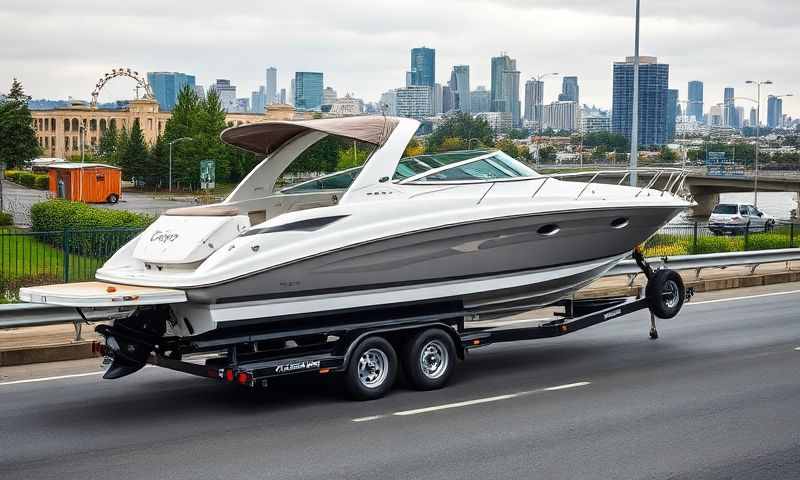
[{"x": 141, "y": 84}]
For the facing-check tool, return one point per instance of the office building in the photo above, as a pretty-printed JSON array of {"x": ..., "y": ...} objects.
[
  {"x": 740, "y": 118},
  {"x": 595, "y": 123},
  {"x": 227, "y": 94},
  {"x": 258, "y": 100},
  {"x": 423, "y": 66},
  {"x": 774, "y": 112},
  {"x": 415, "y": 101},
  {"x": 560, "y": 116},
  {"x": 242, "y": 105},
  {"x": 695, "y": 108},
  {"x": 167, "y": 85},
  {"x": 753, "y": 117},
  {"x": 308, "y": 90},
  {"x": 448, "y": 99},
  {"x": 653, "y": 81},
  {"x": 459, "y": 85},
  {"x": 500, "y": 97},
  {"x": 437, "y": 99},
  {"x": 500, "y": 122},
  {"x": 534, "y": 98},
  {"x": 272, "y": 85},
  {"x": 671, "y": 114},
  {"x": 283, "y": 96},
  {"x": 480, "y": 100},
  {"x": 329, "y": 96},
  {"x": 569, "y": 90},
  {"x": 730, "y": 108},
  {"x": 716, "y": 116}
]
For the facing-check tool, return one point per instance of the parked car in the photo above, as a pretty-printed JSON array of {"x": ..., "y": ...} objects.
[{"x": 736, "y": 218}]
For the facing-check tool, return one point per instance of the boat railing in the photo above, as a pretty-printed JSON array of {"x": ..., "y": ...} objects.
[{"x": 672, "y": 185}]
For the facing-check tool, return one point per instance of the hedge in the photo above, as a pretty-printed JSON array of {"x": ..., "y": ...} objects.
[
  {"x": 6, "y": 219},
  {"x": 57, "y": 215},
  {"x": 28, "y": 179}
]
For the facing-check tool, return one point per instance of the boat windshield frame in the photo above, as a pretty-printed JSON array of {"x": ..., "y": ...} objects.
[{"x": 419, "y": 179}]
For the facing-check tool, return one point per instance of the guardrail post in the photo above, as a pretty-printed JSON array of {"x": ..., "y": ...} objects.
[
  {"x": 746, "y": 235},
  {"x": 694, "y": 238},
  {"x": 65, "y": 254}
]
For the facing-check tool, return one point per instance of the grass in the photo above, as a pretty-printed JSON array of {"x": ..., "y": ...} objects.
[{"x": 669, "y": 244}]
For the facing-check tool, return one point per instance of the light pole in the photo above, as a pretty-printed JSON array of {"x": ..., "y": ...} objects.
[
  {"x": 469, "y": 142},
  {"x": 81, "y": 134},
  {"x": 758, "y": 84},
  {"x": 539, "y": 112},
  {"x": 170, "y": 157},
  {"x": 634, "y": 156}
]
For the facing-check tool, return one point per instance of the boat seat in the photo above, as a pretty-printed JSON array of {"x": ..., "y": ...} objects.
[{"x": 200, "y": 211}]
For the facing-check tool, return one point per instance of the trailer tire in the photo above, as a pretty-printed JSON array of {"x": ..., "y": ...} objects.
[
  {"x": 429, "y": 359},
  {"x": 113, "y": 198},
  {"x": 666, "y": 293},
  {"x": 372, "y": 369}
]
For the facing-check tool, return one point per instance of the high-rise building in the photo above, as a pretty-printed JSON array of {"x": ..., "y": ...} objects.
[
  {"x": 258, "y": 100},
  {"x": 672, "y": 113},
  {"x": 423, "y": 66},
  {"x": 242, "y": 105},
  {"x": 695, "y": 108},
  {"x": 283, "y": 95},
  {"x": 716, "y": 116},
  {"x": 534, "y": 97},
  {"x": 740, "y": 117},
  {"x": 512, "y": 89},
  {"x": 753, "y": 116},
  {"x": 329, "y": 96},
  {"x": 500, "y": 96},
  {"x": 388, "y": 101},
  {"x": 200, "y": 91},
  {"x": 308, "y": 90},
  {"x": 167, "y": 85},
  {"x": 480, "y": 100},
  {"x": 227, "y": 94},
  {"x": 498, "y": 121},
  {"x": 569, "y": 90},
  {"x": 653, "y": 81},
  {"x": 437, "y": 98},
  {"x": 730, "y": 108},
  {"x": 560, "y": 116},
  {"x": 774, "y": 111},
  {"x": 415, "y": 101},
  {"x": 448, "y": 99},
  {"x": 272, "y": 85},
  {"x": 292, "y": 89},
  {"x": 459, "y": 85}
]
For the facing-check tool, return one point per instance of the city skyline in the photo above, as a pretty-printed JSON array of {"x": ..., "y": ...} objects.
[{"x": 367, "y": 56}]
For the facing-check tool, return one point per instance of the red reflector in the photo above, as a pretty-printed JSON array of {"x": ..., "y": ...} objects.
[
  {"x": 229, "y": 375},
  {"x": 243, "y": 377}
]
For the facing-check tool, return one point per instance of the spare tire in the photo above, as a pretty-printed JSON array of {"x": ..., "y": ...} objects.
[{"x": 666, "y": 293}]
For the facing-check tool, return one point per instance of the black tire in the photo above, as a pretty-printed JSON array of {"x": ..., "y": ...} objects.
[
  {"x": 113, "y": 198},
  {"x": 429, "y": 358},
  {"x": 365, "y": 382},
  {"x": 666, "y": 293}
]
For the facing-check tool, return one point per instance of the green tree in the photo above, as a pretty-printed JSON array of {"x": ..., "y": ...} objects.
[
  {"x": 463, "y": 126},
  {"x": 107, "y": 148},
  {"x": 452, "y": 143},
  {"x": 507, "y": 146},
  {"x": 351, "y": 157},
  {"x": 547, "y": 154},
  {"x": 18, "y": 143},
  {"x": 134, "y": 160}
]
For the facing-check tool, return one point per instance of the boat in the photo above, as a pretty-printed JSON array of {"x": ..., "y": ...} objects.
[{"x": 473, "y": 231}]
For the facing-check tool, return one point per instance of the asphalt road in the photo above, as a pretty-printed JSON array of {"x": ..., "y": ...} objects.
[{"x": 717, "y": 396}]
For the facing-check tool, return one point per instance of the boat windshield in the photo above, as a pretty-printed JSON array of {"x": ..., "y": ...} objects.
[{"x": 469, "y": 165}]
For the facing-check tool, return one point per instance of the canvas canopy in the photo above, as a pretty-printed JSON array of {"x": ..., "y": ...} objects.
[{"x": 264, "y": 138}]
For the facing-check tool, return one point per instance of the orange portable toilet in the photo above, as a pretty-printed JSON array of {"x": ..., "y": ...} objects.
[{"x": 86, "y": 182}]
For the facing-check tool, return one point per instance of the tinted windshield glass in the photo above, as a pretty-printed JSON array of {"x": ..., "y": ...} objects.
[
  {"x": 408, "y": 167},
  {"x": 496, "y": 166},
  {"x": 725, "y": 209},
  {"x": 336, "y": 181}
]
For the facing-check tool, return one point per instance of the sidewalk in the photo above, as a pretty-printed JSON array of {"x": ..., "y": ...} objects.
[{"x": 57, "y": 342}]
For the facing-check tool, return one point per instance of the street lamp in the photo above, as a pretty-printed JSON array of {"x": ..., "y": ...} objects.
[
  {"x": 82, "y": 141},
  {"x": 634, "y": 158},
  {"x": 170, "y": 157},
  {"x": 758, "y": 84}
]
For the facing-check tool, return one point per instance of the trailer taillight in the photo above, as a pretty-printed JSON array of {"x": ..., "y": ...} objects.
[{"x": 243, "y": 378}]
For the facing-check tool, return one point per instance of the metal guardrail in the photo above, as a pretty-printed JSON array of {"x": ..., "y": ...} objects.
[{"x": 17, "y": 315}]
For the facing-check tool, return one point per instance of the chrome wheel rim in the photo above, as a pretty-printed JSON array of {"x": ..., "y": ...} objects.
[
  {"x": 373, "y": 368},
  {"x": 434, "y": 359},
  {"x": 671, "y": 294}
]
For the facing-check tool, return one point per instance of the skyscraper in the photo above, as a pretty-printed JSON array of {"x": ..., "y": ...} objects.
[
  {"x": 653, "y": 81},
  {"x": 774, "y": 111},
  {"x": 258, "y": 100},
  {"x": 308, "y": 90},
  {"x": 569, "y": 90},
  {"x": 226, "y": 93},
  {"x": 695, "y": 108},
  {"x": 753, "y": 117},
  {"x": 534, "y": 97},
  {"x": 671, "y": 114},
  {"x": 505, "y": 87},
  {"x": 480, "y": 100},
  {"x": 272, "y": 85},
  {"x": 423, "y": 66},
  {"x": 730, "y": 108},
  {"x": 283, "y": 95},
  {"x": 459, "y": 85},
  {"x": 167, "y": 85},
  {"x": 415, "y": 101}
]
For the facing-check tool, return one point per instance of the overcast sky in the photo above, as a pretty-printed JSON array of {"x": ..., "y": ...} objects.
[{"x": 60, "y": 48}]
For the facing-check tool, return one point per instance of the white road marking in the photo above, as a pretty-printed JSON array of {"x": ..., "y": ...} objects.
[
  {"x": 468, "y": 403},
  {"x": 748, "y": 297},
  {"x": 46, "y": 379},
  {"x": 367, "y": 419},
  {"x": 564, "y": 387}
]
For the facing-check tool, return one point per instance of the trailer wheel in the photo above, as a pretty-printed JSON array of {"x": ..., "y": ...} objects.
[
  {"x": 113, "y": 198},
  {"x": 429, "y": 359},
  {"x": 666, "y": 293},
  {"x": 372, "y": 369}
]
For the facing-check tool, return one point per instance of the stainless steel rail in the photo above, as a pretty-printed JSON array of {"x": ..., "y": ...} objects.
[{"x": 18, "y": 315}]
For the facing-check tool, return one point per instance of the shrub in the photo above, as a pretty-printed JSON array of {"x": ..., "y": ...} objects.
[
  {"x": 42, "y": 182},
  {"x": 56, "y": 215},
  {"x": 27, "y": 179},
  {"x": 9, "y": 286},
  {"x": 6, "y": 219},
  {"x": 767, "y": 241},
  {"x": 13, "y": 175},
  {"x": 717, "y": 245}
]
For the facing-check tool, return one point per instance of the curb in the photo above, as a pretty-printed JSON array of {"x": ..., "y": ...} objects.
[{"x": 83, "y": 349}]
